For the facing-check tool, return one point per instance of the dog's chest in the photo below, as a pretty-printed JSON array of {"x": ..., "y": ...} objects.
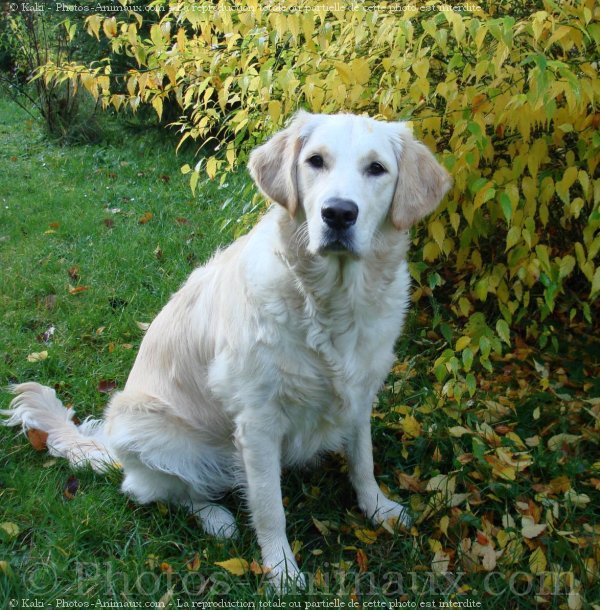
[{"x": 328, "y": 371}]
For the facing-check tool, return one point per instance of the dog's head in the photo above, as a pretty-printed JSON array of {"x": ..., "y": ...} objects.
[{"x": 348, "y": 177}]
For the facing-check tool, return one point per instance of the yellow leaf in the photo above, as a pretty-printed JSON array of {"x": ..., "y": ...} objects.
[
  {"x": 230, "y": 154},
  {"x": 236, "y": 566},
  {"x": 12, "y": 529},
  {"x": 421, "y": 67},
  {"x": 537, "y": 561},
  {"x": 438, "y": 232},
  {"x": 93, "y": 25},
  {"x": 360, "y": 71},
  {"x": 457, "y": 431},
  {"x": 109, "y": 26},
  {"x": 211, "y": 167},
  {"x": 366, "y": 536},
  {"x": 275, "y": 111},
  {"x": 462, "y": 343},
  {"x": 157, "y": 104},
  {"x": 411, "y": 426},
  {"x": 37, "y": 356},
  {"x": 443, "y": 525}
]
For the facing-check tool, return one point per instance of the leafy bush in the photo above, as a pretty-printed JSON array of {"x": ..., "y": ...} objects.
[{"x": 508, "y": 101}]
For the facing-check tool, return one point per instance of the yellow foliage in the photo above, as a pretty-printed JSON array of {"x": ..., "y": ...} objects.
[{"x": 509, "y": 103}]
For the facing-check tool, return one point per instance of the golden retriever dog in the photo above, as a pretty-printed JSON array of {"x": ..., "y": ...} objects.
[{"x": 273, "y": 352}]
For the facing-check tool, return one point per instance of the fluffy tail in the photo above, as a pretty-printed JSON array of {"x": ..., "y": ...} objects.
[{"x": 36, "y": 407}]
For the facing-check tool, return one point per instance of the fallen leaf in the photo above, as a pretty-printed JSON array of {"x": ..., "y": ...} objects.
[
  {"x": 408, "y": 482},
  {"x": 257, "y": 569},
  {"x": 54, "y": 225},
  {"x": 578, "y": 500},
  {"x": 158, "y": 252},
  {"x": 77, "y": 289},
  {"x": 109, "y": 222},
  {"x": 71, "y": 488},
  {"x": 529, "y": 529},
  {"x": 105, "y": 386},
  {"x": 458, "y": 431},
  {"x": 365, "y": 535},
  {"x": 38, "y": 439},
  {"x": 166, "y": 568},
  {"x": 182, "y": 221},
  {"x": 37, "y": 356},
  {"x": 411, "y": 426},
  {"x": 443, "y": 524},
  {"x": 557, "y": 441},
  {"x": 73, "y": 272},
  {"x": 236, "y": 566},
  {"x": 538, "y": 561},
  {"x": 362, "y": 561},
  {"x": 12, "y": 529},
  {"x": 440, "y": 562},
  {"x": 146, "y": 217},
  {"x": 322, "y": 527}
]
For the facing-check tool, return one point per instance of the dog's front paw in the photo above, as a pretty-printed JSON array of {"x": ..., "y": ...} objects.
[
  {"x": 285, "y": 576},
  {"x": 386, "y": 510}
]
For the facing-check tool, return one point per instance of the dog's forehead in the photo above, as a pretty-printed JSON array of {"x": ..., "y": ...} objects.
[{"x": 345, "y": 132}]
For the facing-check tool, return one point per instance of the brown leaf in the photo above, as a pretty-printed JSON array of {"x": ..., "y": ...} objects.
[
  {"x": 54, "y": 225},
  {"x": 146, "y": 217},
  {"x": 77, "y": 289},
  {"x": 409, "y": 482},
  {"x": 182, "y": 221},
  {"x": 109, "y": 222},
  {"x": 158, "y": 252},
  {"x": 71, "y": 488},
  {"x": 362, "y": 561},
  {"x": 166, "y": 568},
  {"x": 74, "y": 272},
  {"x": 482, "y": 539},
  {"x": 37, "y": 438},
  {"x": 193, "y": 565},
  {"x": 105, "y": 386}
]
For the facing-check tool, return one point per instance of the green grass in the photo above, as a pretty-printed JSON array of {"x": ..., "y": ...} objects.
[{"x": 70, "y": 217}]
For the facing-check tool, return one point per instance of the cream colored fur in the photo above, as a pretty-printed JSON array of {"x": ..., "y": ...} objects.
[{"x": 273, "y": 352}]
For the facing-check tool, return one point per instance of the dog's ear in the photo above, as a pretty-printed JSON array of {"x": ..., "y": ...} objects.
[
  {"x": 273, "y": 164},
  {"x": 422, "y": 181}
]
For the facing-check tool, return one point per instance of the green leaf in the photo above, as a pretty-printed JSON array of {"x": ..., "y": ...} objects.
[
  {"x": 503, "y": 331},
  {"x": 506, "y": 206}
]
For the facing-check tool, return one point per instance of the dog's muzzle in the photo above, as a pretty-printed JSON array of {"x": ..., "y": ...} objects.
[{"x": 339, "y": 215}]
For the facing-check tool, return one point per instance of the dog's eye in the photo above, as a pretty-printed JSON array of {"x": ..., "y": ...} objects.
[
  {"x": 316, "y": 161},
  {"x": 376, "y": 169}
]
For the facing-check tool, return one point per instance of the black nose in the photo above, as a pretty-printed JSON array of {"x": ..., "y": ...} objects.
[{"x": 339, "y": 213}]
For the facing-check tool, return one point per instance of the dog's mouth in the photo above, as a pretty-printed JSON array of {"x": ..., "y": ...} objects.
[{"x": 337, "y": 243}]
